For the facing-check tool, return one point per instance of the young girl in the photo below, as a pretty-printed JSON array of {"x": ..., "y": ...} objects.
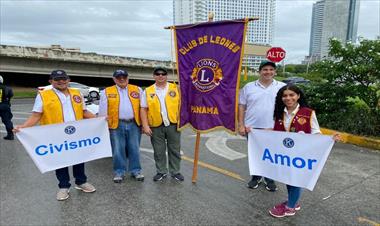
[{"x": 292, "y": 114}]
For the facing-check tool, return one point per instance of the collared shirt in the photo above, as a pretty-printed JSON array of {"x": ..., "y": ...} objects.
[
  {"x": 289, "y": 116},
  {"x": 67, "y": 107},
  {"x": 161, "y": 94},
  {"x": 259, "y": 102},
  {"x": 125, "y": 105}
]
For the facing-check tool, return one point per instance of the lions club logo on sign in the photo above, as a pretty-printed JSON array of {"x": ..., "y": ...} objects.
[
  {"x": 135, "y": 95},
  {"x": 206, "y": 75},
  {"x": 70, "y": 130},
  {"x": 288, "y": 142},
  {"x": 77, "y": 99}
]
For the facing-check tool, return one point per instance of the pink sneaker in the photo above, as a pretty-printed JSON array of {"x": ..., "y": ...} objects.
[
  {"x": 283, "y": 211},
  {"x": 282, "y": 205}
]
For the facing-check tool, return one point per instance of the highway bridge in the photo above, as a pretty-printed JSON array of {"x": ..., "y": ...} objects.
[{"x": 41, "y": 61}]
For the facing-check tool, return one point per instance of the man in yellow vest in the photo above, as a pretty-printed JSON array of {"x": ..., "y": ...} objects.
[
  {"x": 121, "y": 104},
  {"x": 58, "y": 105},
  {"x": 159, "y": 117}
]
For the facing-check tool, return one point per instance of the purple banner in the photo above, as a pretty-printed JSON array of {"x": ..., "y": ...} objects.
[{"x": 209, "y": 57}]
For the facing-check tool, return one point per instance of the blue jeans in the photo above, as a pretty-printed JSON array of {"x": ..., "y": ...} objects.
[
  {"x": 125, "y": 142},
  {"x": 64, "y": 177},
  {"x": 294, "y": 194}
]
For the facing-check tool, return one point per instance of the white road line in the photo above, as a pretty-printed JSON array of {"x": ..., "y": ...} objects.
[
  {"x": 151, "y": 150},
  {"x": 21, "y": 112},
  {"x": 218, "y": 146}
]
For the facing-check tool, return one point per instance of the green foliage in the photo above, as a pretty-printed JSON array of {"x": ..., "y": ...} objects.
[{"x": 347, "y": 95}]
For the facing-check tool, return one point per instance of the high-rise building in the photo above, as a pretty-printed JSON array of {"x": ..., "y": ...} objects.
[
  {"x": 259, "y": 32},
  {"x": 332, "y": 19}
]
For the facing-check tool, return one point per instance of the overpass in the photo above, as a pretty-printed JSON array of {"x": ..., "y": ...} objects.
[{"x": 31, "y": 60}]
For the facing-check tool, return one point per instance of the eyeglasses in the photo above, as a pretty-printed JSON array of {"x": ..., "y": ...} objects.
[
  {"x": 121, "y": 77},
  {"x": 60, "y": 78},
  {"x": 162, "y": 74}
]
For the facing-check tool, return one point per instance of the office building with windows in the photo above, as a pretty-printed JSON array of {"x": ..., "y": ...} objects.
[{"x": 259, "y": 32}]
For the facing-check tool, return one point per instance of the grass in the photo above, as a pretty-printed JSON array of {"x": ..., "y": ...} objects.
[{"x": 24, "y": 92}]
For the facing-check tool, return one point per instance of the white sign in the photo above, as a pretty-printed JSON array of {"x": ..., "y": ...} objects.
[
  {"x": 291, "y": 158},
  {"x": 60, "y": 145}
]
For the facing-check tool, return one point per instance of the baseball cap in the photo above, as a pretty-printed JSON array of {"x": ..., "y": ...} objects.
[
  {"x": 58, "y": 74},
  {"x": 120, "y": 72},
  {"x": 265, "y": 63},
  {"x": 160, "y": 70}
]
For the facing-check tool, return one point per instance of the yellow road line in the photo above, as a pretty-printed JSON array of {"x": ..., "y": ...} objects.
[
  {"x": 214, "y": 168},
  {"x": 362, "y": 219}
]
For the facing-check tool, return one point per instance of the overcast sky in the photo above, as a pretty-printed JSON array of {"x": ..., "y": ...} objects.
[{"x": 135, "y": 28}]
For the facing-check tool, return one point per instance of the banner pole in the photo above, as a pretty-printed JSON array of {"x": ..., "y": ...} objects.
[
  {"x": 196, "y": 158},
  {"x": 197, "y": 141}
]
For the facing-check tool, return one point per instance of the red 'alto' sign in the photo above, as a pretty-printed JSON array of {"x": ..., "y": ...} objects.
[{"x": 276, "y": 54}]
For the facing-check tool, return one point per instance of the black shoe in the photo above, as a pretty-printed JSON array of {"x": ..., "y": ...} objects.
[
  {"x": 254, "y": 183},
  {"x": 159, "y": 176},
  {"x": 9, "y": 137},
  {"x": 178, "y": 177},
  {"x": 270, "y": 185}
]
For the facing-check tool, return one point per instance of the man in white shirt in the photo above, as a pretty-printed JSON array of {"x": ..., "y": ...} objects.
[
  {"x": 58, "y": 105},
  {"x": 256, "y": 106},
  {"x": 121, "y": 104}
]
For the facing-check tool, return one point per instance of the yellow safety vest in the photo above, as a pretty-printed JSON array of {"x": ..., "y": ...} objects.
[
  {"x": 52, "y": 110},
  {"x": 113, "y": 100},
  {"x": 154, "y": 105}
]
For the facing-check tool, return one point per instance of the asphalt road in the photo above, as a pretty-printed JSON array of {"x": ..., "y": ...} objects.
[{"x": 347, "y": 193}]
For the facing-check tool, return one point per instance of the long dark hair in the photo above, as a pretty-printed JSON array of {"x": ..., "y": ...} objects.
[{"x": 280, "y": 106}]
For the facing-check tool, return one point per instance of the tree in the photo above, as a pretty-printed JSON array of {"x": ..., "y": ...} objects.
[{"x": 347, "y": 98}]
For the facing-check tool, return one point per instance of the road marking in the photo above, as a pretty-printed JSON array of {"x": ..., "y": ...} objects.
[
  {"x": 218, "y": 146},
  {"x": 21, "y": 112},
  {"x": 205, "y": 165},
  {"x": 216, "y": 143},
  {"x": 362, "y": 220},
  {"x": 214, "y": 168}
]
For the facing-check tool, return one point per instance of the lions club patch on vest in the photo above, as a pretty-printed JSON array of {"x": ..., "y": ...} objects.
[
  {"x": 152, "y": 95},
  {"x": 135, "y": 95},
  {"x": 77, "y": 99},
  {"x": 172, "y": 93},
  {"x": 111, "y": 96},
  {"x": 206, "y": 75},
  {"x": 301, "y": 121}
]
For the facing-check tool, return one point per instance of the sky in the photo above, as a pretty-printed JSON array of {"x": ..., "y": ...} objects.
[{"x": 136, "y": 28}]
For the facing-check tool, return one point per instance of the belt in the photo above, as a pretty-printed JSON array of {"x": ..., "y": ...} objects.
[{"x": 127, "y": 120}]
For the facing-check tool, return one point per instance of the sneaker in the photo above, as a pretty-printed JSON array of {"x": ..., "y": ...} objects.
[
  {"x": 138, "y": 177},
  {"x": 9, "y": 137},
  {"x": 254, "y": 183},
  {"x": 118, "y": 178},
  {"x": 282, "y": 205},
  {"x": 178, "y": 177},
  {"x": 270, "y": 185},
  {"x": 159, "y": 176},
  {"x": 63, "y": 194},
  {"x": 282, "y": 212},
  {"x": 86, "y": 187}
]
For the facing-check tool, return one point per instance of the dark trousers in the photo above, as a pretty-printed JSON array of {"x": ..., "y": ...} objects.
[
  {"x": 6, "y": 117},
  {"x": 64, "y": 177}
]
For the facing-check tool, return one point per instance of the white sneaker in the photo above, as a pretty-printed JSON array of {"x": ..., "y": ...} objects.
[
  {"x": 63, "y": 194},
  {"x": 86, "y": 187}
]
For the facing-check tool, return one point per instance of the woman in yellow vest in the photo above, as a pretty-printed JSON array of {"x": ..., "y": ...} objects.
[
  {"x": 57, "y": 105},
  {"x": 121, "y": 104},
  {"x": 159, "y": 117}
]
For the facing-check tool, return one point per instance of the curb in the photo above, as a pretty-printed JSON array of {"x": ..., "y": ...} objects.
[{"x": 354, "y": 139}]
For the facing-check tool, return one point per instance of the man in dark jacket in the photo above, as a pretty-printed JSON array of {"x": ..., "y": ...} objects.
[{"x": 6, "y": 94}]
